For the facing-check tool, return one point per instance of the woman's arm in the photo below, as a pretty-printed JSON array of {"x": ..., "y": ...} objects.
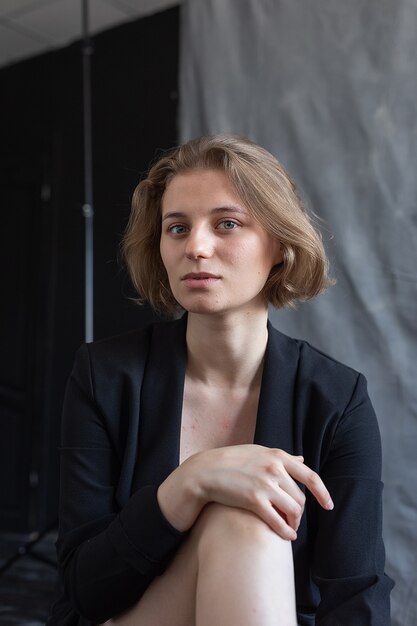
[
  {"x": 107, "y": 557},
  {"x": 349, "y": 552},
  {"x": 251, "y": 477}
]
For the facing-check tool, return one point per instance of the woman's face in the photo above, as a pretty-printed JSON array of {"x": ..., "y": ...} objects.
[{"x": 217, "y": 256}]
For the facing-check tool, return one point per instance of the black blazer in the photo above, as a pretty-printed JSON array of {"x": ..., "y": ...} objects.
[{"x": 120, "y": 439}]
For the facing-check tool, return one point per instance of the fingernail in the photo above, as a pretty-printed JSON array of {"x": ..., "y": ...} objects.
[{"x": 330, "y": 505}]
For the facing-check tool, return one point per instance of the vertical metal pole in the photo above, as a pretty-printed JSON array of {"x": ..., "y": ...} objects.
[{"x": 88, "y": 209}]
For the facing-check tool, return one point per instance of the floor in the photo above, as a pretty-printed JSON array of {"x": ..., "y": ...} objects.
[{"x": 29, "y": 586}]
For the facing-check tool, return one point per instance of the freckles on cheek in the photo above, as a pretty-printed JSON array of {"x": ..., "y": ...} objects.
[
  {"x": 242, "y": 255},
  {"x": 164, "y": 254}
]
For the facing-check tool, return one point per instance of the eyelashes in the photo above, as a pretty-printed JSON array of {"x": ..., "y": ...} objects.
[
  {"x": 177, "y": 229},
  {"x": 229, "y": 223},
  {"x": 181, "y": 229}
]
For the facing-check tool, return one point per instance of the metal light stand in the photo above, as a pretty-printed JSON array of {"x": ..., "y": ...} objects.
[
  {"x": 26, "y": 549},
  {"x": 88, "y": 209}
]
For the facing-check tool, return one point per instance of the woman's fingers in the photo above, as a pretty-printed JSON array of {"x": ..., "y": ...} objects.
[
  {"x": 256, "y": 478},
  {"x": 288, "y": 508},
  {"x": 311, "y": 480},
  {"x": 289, "y": 485},
  {"x": 275, "y": 520}
]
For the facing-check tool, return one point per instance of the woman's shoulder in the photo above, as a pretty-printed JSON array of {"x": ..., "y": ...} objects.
[
  {"x": 318, "y": 371},
  {"x": 112, "y": 366},
  {"x": 122, "y": 343},
  {"x": 309, "y": 355},
  {"x": 134, "y": 344}
]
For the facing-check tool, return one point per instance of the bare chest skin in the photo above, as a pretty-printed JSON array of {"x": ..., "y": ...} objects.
[{"x": 216, "y": 417}]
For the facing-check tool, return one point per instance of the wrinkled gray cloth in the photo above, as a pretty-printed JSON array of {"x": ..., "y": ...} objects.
[{"x": 331, "y": 89}]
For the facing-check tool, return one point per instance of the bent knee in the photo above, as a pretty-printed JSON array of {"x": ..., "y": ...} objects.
[
  {"x": 220, "y": 525},
  {"x": 231, "y": 519}
]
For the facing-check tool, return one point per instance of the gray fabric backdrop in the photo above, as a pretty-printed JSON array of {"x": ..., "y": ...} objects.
[{"x": 331, "y": 89}]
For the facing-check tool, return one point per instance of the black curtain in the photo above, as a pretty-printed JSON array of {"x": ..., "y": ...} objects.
[{"x": 134, "y": 103}]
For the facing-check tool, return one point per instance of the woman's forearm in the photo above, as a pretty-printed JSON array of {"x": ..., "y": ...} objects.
[{"x": 181, "y": 496}]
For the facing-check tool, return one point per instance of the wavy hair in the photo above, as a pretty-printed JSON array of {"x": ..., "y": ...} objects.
[{"x": 266, "y": 190}]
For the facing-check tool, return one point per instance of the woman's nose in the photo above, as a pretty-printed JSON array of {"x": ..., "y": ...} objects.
[{"x": 199, "y": 244}]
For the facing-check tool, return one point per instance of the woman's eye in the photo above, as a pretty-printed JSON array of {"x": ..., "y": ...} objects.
[
  {"x": 177, "y": 229},
  {"x": 228, "y": 225}
]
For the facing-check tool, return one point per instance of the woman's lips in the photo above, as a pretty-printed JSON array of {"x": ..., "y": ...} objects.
[{"x": 200, "y": 280}]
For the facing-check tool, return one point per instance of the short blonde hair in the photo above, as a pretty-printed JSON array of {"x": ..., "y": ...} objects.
[{"x": 266, "y": 190}]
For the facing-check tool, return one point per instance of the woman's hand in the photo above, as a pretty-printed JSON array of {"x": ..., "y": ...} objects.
[{"x": 251, "y": 477}]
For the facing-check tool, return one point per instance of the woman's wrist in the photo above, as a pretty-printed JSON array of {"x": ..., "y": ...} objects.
[{"x": 181, "y": 496}]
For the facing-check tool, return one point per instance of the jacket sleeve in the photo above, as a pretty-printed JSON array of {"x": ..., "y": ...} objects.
[
  {"x": 107, "y": 557},
  {"x": 349, "y": 552}
]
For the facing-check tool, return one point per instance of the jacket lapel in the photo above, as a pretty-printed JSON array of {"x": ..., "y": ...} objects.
[
  {"x": 275, "y": 420},
  {"x": 161, "y": 404},
  {"x": 162, "y": 398}
]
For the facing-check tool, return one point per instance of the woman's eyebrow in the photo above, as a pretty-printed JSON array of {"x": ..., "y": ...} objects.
[{"x": 220, "y": 209}]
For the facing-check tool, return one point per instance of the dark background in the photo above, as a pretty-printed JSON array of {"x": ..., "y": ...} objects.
[{"x": 134, "y": 106}]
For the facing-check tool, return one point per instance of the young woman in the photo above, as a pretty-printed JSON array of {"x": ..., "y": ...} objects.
[{"x": 214, "y": 471}]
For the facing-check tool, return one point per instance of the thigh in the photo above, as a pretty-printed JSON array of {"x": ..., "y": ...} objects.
[
  {"x": 225, "y": 541},
  {"x": 170, "y": 598}
]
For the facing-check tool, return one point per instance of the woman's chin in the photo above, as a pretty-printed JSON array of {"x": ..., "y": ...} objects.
[
  {"x": 201, "y": 306},
  {"x": 202, "y": 309}
]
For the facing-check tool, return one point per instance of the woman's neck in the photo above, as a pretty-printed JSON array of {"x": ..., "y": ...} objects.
[{"x": 226, "y": 351}]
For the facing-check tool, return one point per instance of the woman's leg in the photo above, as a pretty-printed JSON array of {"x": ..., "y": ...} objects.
[
  {"x": 233, "y": 570},
  {"x": 245, "y": 572}
]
